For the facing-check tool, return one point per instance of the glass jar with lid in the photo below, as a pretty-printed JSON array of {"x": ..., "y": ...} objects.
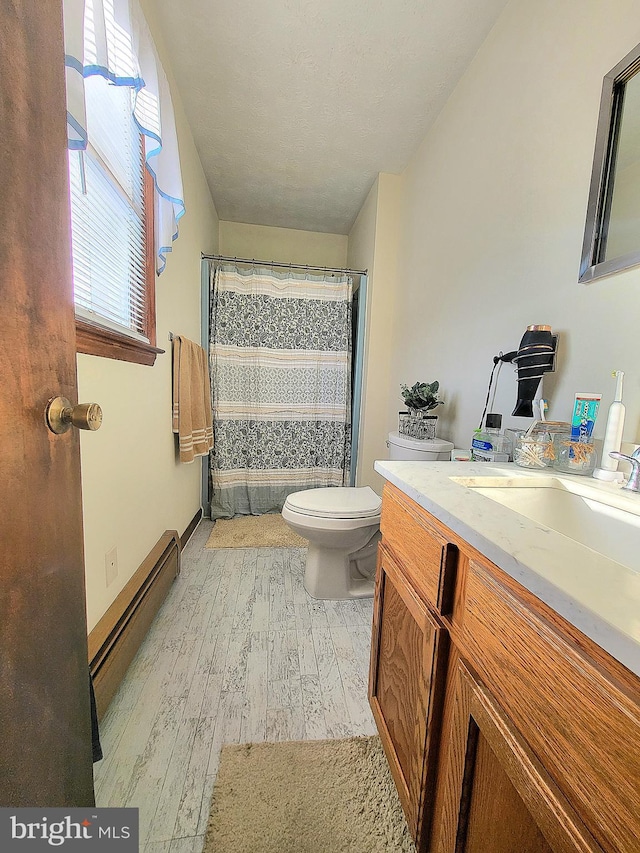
[
  {"x": 533, "y": 451},
  {"x": 536, "y": 448},
  {"x": 574, "y": 457}
]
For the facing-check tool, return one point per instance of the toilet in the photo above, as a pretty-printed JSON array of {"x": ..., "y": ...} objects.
[{"x": 342, "y": 524}]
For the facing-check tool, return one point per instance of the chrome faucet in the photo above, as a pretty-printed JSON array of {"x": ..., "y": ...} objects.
[{"x": 633, "y": 483}]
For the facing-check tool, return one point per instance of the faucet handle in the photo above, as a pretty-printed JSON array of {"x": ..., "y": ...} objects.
[
  {"x": 633, "y": 484},
  {"x": 635, "y": 457},
  {"x": 614, "y": 454}
]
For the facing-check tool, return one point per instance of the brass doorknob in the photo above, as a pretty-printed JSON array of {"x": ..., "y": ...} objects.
[{"x": 60, "y": 414}]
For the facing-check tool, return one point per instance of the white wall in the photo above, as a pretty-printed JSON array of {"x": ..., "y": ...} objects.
[
  {"x": 133, "y": 486},
  {"x": 373, "y": 245},
  {"x": 493, "y": 210},
  {"x": 285, "y": 245}
]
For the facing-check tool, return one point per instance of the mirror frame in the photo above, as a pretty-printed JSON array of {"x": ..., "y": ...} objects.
[{"x": 601, "y": 188}]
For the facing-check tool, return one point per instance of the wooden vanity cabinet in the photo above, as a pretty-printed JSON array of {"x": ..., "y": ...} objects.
[
  {"x": 406, "y": 689},
  {"x": 506, "y": 729},
  {"x": 495, "y": 796},
  {"x": 409, "y": 654}
]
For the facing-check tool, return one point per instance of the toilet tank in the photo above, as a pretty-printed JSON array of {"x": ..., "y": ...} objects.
[{"x": 419, "y": 449}]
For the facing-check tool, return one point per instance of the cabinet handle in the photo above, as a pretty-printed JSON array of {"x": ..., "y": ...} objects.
[{"x": 448, "y": 575}]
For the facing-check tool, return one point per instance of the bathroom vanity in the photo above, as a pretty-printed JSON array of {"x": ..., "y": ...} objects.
[{"x": 505, "y": 667}]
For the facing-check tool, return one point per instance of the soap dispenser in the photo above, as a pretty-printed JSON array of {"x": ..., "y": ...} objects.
[{"x": 608, "y": 469}]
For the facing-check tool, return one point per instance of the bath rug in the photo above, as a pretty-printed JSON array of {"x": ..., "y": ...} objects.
[
  {"x": 324, "y": 796},
  {"x": 254, "y": 531}
]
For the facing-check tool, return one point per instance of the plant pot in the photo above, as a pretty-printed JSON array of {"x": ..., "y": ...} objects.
[{"x": 417, "y": 423}]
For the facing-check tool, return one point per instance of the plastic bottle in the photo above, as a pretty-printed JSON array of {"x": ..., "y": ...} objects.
[{"x": 489, "y": 444}]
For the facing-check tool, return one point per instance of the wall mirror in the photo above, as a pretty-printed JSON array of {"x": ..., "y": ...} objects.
[{"x": 612, "y": 232}]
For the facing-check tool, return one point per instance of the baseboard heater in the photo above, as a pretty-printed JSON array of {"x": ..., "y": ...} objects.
[{"x": 116, "y": 638}]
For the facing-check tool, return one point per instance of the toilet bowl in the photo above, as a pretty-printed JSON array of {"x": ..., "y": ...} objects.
[{"x": 342, "y": 524}]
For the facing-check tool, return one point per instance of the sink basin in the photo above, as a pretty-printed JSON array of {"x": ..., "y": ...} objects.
[{"x": 606, "y": 521}]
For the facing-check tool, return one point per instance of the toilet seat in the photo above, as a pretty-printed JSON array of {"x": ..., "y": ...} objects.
[{"x": 337, "y": 502}]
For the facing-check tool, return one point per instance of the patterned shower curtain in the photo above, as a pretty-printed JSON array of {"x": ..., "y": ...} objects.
[{"x": 280, "y": 356}]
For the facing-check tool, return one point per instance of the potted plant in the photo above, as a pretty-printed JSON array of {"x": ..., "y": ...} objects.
[
  {"x": 420, "y": 399},
  {"x": 422, "y": 395}
]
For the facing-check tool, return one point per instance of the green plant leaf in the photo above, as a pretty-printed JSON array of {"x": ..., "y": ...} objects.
[{"x": 421, "y": 395}]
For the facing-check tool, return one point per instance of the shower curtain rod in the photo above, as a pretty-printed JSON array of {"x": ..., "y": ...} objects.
[{"x": 229, "y": 259}]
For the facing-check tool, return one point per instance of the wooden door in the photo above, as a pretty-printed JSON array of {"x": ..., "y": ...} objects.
[
  {"x": 406, "y": 689},
  {"x": 45, "y": 727},
  {"x": 493, "y": 793}
]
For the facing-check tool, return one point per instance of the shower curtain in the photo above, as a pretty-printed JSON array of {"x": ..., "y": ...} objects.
[{"x": 280, "y": 357}]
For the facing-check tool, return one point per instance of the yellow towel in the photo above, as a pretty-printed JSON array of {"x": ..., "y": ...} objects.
[{"x": 191, "y": 399}]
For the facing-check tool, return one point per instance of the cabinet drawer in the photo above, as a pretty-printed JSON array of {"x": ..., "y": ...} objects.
[
  {"x": 426, "y": 556},
  {"x": 583, "y": 725}
]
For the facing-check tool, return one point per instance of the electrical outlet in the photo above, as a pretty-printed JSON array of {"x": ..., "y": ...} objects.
[{"x": 111, "y": 565}]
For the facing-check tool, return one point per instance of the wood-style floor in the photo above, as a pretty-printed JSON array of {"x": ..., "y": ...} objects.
[{"x": 239, "y": 652}]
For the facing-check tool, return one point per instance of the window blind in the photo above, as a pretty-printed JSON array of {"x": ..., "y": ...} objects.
[{"x": 107, "y": 213}]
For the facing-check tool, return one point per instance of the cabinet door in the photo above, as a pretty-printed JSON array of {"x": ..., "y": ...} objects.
[
  {"x": 406, "y": 689},
  {"x": 494, "y": 795}
]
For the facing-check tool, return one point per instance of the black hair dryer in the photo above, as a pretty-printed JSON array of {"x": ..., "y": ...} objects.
[{"x": 535, "y": 356}]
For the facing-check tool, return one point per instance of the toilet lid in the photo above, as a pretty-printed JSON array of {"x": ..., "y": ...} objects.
[
  {"x": 430, "y": 445},
  {"x": 336, "y": 502}
]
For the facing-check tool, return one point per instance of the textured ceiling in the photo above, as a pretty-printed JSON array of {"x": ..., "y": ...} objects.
[{"x": 296, "y": 105}]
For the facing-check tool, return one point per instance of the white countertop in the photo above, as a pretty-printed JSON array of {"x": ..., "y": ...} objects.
[{"x": 599, "y": 596}]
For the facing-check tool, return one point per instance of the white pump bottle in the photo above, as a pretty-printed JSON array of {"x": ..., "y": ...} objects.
[{"x": 608, "y": 469}]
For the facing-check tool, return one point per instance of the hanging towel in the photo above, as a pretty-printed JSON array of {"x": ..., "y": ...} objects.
[{"x": 191, "y": 399}]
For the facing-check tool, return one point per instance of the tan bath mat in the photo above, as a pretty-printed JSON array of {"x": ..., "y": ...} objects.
[
  {"x": 254, "y": 531},
  {"x": 324, "y": 796}
]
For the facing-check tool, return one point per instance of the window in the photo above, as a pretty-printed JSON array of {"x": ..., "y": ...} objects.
[
  {"x": 112, "y": 230},
  {"x": 124, "y": 165}
]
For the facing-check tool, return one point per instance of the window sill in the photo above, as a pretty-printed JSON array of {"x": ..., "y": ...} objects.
[{"x": 92, "y": 339}]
